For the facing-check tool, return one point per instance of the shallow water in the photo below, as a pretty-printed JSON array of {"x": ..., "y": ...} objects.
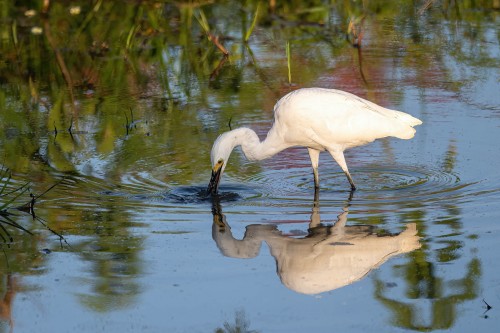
[{"x": 127, "y": 240}]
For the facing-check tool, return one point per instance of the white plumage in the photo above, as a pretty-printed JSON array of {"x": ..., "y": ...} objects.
[{"x": 319, "y": 119}]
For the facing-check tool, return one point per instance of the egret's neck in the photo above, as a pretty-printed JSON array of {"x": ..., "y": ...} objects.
[{"x": 251, "y": 145}]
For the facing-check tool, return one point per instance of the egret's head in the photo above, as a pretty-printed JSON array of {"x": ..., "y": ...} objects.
[{"x": 219, "y": 156}]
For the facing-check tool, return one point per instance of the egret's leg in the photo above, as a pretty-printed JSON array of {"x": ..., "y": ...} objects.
[
  {"x": 315, "y": 216},
  {"x": 338, "y": 156},
  {"x": 314, "y": 155}
]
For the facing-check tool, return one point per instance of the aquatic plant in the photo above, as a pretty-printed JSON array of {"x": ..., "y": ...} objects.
[
  {"x": 8, "y": 198},
  {"x": 14, "y": 199}
]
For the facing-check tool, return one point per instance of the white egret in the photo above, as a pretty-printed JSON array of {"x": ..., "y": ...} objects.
[{"x": 319, "y": 119}]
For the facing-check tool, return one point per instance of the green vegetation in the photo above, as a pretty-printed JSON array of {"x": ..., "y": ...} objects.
[{"x": 85, "y": 67}]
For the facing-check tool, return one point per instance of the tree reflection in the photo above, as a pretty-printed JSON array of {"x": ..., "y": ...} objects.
[
  {"x": 444, "y": 296},
  {"x": 428, "y": 290},
  {"x": 113, "y": 256}
]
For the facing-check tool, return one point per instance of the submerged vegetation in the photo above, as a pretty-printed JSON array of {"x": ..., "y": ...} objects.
[
  {"x": 9, "y": 199},
  {"x": 14, "y": 200}
]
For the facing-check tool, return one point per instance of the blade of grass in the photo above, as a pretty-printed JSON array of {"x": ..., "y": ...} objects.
[
  {"x": 54, "y": 185},
  {"x": 6, "y": 233},
  {"x": 16, "y": 189},
  {"x": 133, "y": 30},
  {"x": 88, "y": 18},
  {"x": 4, "y": 172},
  {"x": 61, "y": 237},
  {"x": 21, "y": 191},
  {"x": 254, "y": 21},
  {"x": 14, "y": 33},
  {"x": 202, "y": 20},
  {"x": 289, "y": 62},
  {"x": 12, "y": 223}
]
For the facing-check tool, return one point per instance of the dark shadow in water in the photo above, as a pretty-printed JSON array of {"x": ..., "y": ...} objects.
[
  {"x": 327, "y": 258},
  {"x": 198, "y": 194},
  {"x": 186, "y": 194},
  {"x": 241, "y": 324}
]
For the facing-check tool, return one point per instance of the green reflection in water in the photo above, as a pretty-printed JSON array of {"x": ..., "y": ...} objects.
[
  {"x": 113, "y": 254},
  {"x": 443, "y": 307},
  {"x": 424, "y": 282}
]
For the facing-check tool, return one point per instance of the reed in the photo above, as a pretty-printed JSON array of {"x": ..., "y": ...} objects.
[
  {"x": 12, "y": 195},
  {"x": 202, "y": 20},
  {"x": 289, "y": 62},
  {"x": 7, "y": 200},
  {"x": 254, "y": 22}
]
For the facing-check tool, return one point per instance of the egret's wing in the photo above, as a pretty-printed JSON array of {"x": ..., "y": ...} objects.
[
  {"x": 358, "y": 121},
  {"x": 336, "y": 118},
  {"x": 358, "y": 102}
]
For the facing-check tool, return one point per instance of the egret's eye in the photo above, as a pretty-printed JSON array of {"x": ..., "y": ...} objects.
[{"x": 220, "y": 161}]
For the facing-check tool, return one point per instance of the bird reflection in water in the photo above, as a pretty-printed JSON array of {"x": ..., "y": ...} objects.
[{"x": 329, "y": 257}]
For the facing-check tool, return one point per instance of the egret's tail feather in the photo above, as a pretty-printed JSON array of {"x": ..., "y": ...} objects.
[{"x": 407, "y": 119}]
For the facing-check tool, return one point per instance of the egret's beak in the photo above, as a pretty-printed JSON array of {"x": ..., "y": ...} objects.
[{"x": 213, "y": 186}]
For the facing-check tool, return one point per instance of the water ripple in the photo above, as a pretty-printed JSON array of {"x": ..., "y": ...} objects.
[
  {"x": 382, "y": 184},
  {"x": 378, "y": 185}
]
